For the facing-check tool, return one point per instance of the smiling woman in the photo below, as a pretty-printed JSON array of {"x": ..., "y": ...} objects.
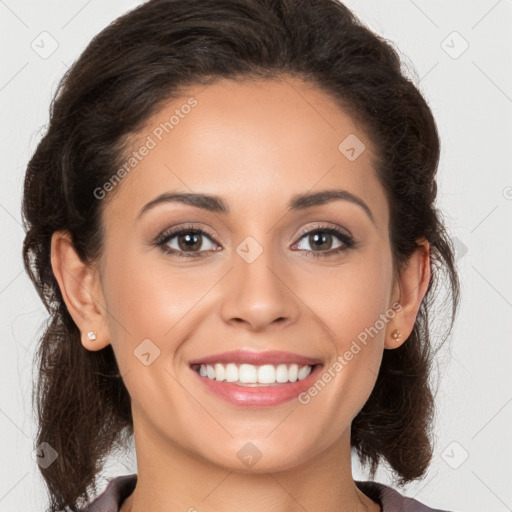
[{"x": 249, "y": 300}]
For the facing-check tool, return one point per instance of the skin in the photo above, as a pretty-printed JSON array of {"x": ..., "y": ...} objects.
[{"x": 256, "y": 145}]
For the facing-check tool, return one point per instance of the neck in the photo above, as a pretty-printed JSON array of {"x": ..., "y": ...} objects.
[{"x": 170, "y": 478}]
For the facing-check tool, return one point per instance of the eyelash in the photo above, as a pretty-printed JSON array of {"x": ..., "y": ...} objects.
[{"x": 161, "y": 241}]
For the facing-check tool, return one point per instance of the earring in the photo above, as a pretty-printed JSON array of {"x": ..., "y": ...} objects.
[
  {"x": 91, "y": 335},
  {"x": 396, "y": 335}
]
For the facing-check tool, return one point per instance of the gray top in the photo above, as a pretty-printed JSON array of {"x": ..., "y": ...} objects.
[{"x": 388, "y": 498}]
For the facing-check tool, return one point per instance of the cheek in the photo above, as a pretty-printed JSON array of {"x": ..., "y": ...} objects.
[
  {"x": 144, "y": 303},
  {"x": 149, "y": 299},
  {"x": 150, "y": 312},
  {"x": 352, "y": 297},
  {"x": 352, "y": 301}
]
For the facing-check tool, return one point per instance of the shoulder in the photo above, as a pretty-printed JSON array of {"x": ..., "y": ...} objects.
[
  {"x": 391, "y": 500},
  {"x": 111, "y": 499}
]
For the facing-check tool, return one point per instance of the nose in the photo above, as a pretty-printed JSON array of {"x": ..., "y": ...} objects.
[{"x": 259, "y": 295}]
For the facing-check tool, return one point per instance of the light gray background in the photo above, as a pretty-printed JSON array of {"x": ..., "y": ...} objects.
[{"x": 470, "y": 94}]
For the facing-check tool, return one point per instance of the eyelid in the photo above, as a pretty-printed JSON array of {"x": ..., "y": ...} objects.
[
  {"x": 185, "y": 227},
  {"x": 323, "y": 225},
  {"x": 192, "y": 227},
  {"x": 342, "y": 234}
]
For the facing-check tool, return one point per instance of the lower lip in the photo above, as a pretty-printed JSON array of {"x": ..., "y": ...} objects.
[{"x": 261, "y": 396}]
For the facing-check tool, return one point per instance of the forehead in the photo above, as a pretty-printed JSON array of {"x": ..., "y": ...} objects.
[{"x": 254, "y": 143}]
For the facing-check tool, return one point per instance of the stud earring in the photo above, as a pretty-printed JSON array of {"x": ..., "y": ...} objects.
[
  {"x": 91, "y": 335},
  {"x": 396, "y": 335}
]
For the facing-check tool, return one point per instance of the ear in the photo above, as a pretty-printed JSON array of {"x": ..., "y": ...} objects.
[
  {"x": 81, "y": 291},
  {"x": 409, "y": 290}
]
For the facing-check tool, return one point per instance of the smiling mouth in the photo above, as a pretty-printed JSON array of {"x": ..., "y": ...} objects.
[{"x": 249, "y": 375}]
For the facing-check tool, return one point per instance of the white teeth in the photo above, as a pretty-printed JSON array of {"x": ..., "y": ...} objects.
[
  {"x": 220, "y": 372},
  {"x": 282, "y": 373},
  {"x": 253, "y": 375},
  {"x": 293, "y": 372},
  {"x": 231, "y": 372},
  {"x": 248, "y": 374},
  {"x": 304, "y": 372},
  {"x": 266, "y": 374}
]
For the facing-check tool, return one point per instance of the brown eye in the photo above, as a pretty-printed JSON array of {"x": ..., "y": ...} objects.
[
  {"x": 323, "y": 241},
  {"x": 186, "y": 242},
  {"x": 189, "y": 241}
]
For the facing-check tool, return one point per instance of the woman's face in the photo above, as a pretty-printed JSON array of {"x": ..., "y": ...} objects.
[{"x": 262, "y": 275}]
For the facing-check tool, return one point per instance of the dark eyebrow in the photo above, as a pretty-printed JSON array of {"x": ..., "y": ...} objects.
[
  {"x": 218, "y": 205},
  {"x": 206, "y": 202},
  {"x": 302, "y": 201}
]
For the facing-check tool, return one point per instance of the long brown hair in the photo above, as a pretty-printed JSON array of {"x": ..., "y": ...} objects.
[{"x": 125, "y": 74}]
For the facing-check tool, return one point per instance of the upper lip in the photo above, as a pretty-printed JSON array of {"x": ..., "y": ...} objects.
[{"x": 257, "y": 358}]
